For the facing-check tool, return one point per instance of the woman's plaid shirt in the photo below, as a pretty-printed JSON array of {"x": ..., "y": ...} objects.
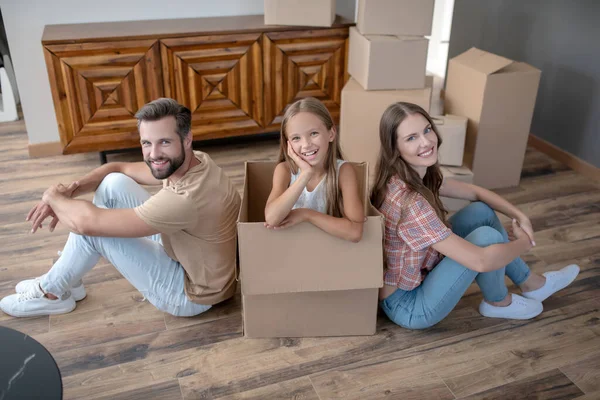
[{"x": 411, "y": 227}]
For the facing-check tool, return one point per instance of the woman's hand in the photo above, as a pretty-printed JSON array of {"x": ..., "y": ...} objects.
[
  {"x": 519, "y": 232},
  {"x": 525, "y": 225}
]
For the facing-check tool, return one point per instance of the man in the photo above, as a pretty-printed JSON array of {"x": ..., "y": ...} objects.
[{"x": 177, "y": 247}]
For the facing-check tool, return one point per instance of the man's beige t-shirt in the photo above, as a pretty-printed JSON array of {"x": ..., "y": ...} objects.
[{"x": 196, "y": 218}]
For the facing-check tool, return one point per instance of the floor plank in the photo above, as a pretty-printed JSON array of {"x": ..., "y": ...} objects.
[
  {"x": 585, "y": 373},
  {"x": 549, "y": 385},
  {"x": 527, "y": 358},
  {"x": 252, "y": 363},
  {"x": 150, "y": 348},
  {"x": 403, "y": 379},
  {"x": 161, "y": 391},
  {"x": 297, "y": 389}
]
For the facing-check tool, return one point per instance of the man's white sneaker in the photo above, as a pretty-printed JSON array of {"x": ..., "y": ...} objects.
[
  {"x": 519, "y": 308},
  {"x": 78, "y": 292},
  {"x": 555, "y": 281},
  {"x": 33, "y": 303}
]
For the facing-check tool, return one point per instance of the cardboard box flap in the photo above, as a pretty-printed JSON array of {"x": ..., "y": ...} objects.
[
  {"x": 482, "y": 61},
  {"x": 518, "y": 67},
  {"x": 303, "y": 258}
]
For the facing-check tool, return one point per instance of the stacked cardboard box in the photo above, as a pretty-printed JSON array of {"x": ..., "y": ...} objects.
[
  {"x": 395, "y": 17},
  {"x": 381, "y": 62},
  {"x": 387, "y": 59},
  {"x": 497, "y": 95},
  {"x": 360, "y": 115},
  {"x": 452, "y": 130},
  {"x": 388, "y": 49},
  {"x": 462, "y": 174},
  {"x": 300, "y": 12},
  {"x": 302, "y": 281}
]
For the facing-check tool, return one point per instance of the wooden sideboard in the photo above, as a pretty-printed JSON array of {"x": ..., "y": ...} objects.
[{"x": 236, "y": 74}]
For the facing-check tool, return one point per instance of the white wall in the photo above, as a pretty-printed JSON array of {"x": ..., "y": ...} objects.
[
  {"x": 437, "y": 56},
  {"x": 25, "y": 20}
]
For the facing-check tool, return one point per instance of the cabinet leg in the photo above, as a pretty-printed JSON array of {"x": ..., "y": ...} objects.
[{"x": 102, "y": 157}]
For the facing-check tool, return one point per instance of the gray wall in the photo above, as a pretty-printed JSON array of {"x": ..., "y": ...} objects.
[{"x": 560, "y": 37}]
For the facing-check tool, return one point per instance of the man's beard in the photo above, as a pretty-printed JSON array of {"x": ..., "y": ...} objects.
[{"x": 173, "y": 165}]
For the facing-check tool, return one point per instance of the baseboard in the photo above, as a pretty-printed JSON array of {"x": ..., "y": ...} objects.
[
  {"x": 571, "y": 161},
  {"x": 46, "y": 149}
]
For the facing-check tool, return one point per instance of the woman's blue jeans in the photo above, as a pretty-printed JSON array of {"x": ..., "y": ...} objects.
[{"x": 443, "y": 287}]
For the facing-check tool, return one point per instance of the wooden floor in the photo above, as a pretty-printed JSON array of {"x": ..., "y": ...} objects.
[{"x": 116, "y": 346}]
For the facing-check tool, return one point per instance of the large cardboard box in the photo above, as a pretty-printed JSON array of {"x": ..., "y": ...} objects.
[
  {"x": 300, "y": 12},
  {"x": 302, "y": 281},
  {"x": 497, "y": 95},
  {"x": 395, "y": 17},
  {"x": 361, "y": 112},
  {"x": 453, "y": 130},
  {"x": 387, "y": 62},
  {"x": 462, "y": 174}
]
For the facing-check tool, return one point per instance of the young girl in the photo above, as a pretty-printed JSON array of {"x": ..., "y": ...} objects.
[
  {"x": 312, "y": 182},
  {"x": 421, "y": 287}
]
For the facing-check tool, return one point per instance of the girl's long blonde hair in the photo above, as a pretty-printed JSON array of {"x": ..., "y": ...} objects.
[
  {"x": 390, "y": 162},
  {"x": 315, "y": 107}
]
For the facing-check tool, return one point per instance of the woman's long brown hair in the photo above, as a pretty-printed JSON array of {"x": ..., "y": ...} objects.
[
  {"x": 390, "y": 163},
  {"x": 315, "y": 107}
]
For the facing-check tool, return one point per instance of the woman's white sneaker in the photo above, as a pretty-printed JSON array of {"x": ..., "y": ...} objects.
[
  {"x": 519, "y": 308},
  {"x": 555, "y": 281},
  {"x": 33, "y": 303},
  {"x": 78, "y": 292}
]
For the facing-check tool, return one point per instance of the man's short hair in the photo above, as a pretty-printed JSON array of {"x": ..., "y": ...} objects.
[{"x": 164, "y": 107}]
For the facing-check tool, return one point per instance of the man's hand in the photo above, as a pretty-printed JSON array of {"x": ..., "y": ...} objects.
[{"x": 42, "y": 210}]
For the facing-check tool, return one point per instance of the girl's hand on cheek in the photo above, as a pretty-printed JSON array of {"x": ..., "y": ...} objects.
[{"x": 303, "y": 165}]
